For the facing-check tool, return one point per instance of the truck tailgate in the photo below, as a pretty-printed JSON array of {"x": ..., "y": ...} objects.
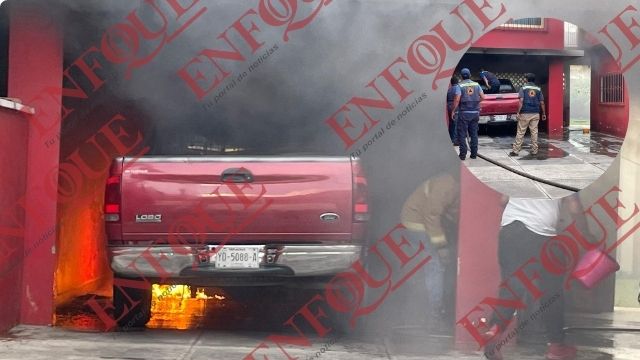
[
  {"x": 499, "y": 104},
  {"x": 272, "y": 199}
]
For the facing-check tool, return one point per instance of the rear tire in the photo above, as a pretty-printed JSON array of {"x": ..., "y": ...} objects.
[{"x": 132, "y": 306}]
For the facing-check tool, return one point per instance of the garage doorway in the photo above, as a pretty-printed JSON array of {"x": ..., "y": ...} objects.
[{"x": 580, "y": 97}]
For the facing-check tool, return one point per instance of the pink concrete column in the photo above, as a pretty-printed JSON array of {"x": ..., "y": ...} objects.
[
  {"x": 478, "y": 270},
  {"x": 35, "y": 76},
  {"x": 13, "y": 156},
  {"x": 555, "y": 98}
]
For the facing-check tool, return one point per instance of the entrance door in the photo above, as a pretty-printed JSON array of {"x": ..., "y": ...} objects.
[{"x": 580, "y": 96}]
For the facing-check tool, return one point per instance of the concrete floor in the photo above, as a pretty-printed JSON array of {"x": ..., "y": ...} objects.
[
  {"x": 576, "y": 160},
  {"x": 617, "y": 337},
  {"x": 217, "y": 328}
]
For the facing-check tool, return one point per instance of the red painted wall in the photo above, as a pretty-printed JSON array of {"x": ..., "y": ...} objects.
[
  {"x": 35, "y": 64},
  {"x": 13, "y": 159},
  {"x": 607, "y": 118},
  {"x": 555, "y": 98},
  {"x": 478, "y": 272},
  {"x": 551, "y": 37}
]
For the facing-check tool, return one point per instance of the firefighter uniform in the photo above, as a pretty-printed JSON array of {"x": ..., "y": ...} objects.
[
  {"x": 529, "y": 117},
  {"x": 468, "y": 116}
]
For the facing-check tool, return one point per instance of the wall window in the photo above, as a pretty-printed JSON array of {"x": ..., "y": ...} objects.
[
  {"x": 524, "y": 24},
  {"x": 612, "y": 88},
  {"x": 570, "y": 35}
]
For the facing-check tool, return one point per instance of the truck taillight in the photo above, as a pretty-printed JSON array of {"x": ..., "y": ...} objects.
[
  {"x": 112, "y": 200},
  {"x": 360, "y": 194}
]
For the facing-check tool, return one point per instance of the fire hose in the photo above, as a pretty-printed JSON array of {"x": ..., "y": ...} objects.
[
  {"x": 529, "y": 176},
  {"x": 522, "y": 173}
]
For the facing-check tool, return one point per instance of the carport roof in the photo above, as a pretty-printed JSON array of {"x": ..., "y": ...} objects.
[{"x": 530, "y": 52}]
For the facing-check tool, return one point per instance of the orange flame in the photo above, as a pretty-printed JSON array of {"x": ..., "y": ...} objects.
[{"x": 176, "y": 306}]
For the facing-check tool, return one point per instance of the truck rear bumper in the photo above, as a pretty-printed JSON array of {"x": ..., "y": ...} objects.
[
  {"x": 173, "y": 263},
  {"x": 497, "y": 119}
]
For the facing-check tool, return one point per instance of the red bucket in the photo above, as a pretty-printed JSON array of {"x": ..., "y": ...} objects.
[{"x": 594, "y": 266}]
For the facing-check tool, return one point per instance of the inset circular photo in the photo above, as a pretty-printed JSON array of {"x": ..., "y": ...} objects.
[{"x": 537, "y": 108}]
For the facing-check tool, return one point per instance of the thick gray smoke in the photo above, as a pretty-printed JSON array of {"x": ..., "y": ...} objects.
[{"x": 280, "y": 106}]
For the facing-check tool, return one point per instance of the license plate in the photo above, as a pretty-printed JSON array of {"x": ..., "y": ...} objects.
[
  {"x": 500, "y": 118},
  {"x": 237, "y": 257}
]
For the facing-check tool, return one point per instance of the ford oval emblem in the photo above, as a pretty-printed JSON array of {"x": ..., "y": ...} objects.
[{"x": 329, "y": 217}]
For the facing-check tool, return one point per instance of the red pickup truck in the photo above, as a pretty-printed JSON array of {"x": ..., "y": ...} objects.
[
  {"x": 229, "y": 221},
  {"x": 501, "y": 107}
]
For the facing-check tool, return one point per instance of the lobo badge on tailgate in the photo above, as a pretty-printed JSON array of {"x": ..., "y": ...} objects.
[{"x": 148, "y": 218}]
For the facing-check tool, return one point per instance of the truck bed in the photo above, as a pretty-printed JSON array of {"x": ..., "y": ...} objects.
[
  {"x": 499, "y": 104},
  {"x": 234, "y": 220},
  {"x": 281, "y": 200}
]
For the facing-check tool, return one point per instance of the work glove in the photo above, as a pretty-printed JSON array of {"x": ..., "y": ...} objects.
[{"x": 439, "y": 241}]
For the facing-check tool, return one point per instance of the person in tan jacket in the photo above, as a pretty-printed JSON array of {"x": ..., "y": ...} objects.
[{"x": 429, "y": 214}]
